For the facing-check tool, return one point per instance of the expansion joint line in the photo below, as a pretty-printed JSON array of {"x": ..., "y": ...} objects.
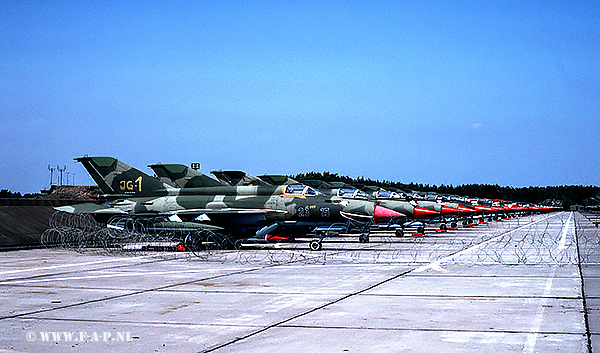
[
  {"x": 280, "y": 323},
  {"x": 151, "y": 260},
  {"x": 137, "y": 292}
]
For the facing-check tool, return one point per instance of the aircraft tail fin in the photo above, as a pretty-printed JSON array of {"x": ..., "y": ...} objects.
[
  {"x": 116, "y": 177},
  {"x": 181, "y": 176},
  {"x": 275, "y": 179},
  {"x": 238, "y": 178}
]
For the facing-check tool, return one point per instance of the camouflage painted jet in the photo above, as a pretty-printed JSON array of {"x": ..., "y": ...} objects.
[
  {"x": 270, "y": 213},
  {"x": 358, "y": 212},
  {"x": 418, "y": 210},
  {"x": 342, "y": 190},
  {"x": 394, "y": 201},
  {"x": 356, "y": 208}
]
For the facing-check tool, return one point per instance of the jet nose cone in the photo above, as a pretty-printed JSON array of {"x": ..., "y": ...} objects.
[
  {"x": 483, "y": 209},
  {"x": 449, "y": 210},
  {"x": 381, "y": 213},
  {"x": 424, "y": 212},
  {"x": 465, "y": 210}
]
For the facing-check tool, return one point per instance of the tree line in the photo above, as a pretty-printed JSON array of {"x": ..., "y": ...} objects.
[
  {"x": 7, "y": 194},
  {"x": 560, "y": 196}
]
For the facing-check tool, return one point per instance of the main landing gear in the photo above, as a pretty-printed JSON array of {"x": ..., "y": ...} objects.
[
  {"x": 317, "y": 243},
  {"x": 420, "y": 230}
]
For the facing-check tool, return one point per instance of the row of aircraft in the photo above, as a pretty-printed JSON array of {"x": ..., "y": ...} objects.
[{"x": 235, "y": 209}]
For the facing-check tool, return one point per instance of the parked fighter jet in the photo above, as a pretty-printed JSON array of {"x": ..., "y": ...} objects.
[
  {"x": 350, "y": 194},
  {"x": 355, "y": 208},
  {"x": 418, "y": 215},
  {"x": 245, "y": 212},
  {"x": 271, "y": 213},
  {"x": 339, "y": 189},
  {"x": 407, "y": 213},
  {"x": 358, "y": 209}
]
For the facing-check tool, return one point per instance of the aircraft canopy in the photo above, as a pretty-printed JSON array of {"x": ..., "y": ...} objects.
[{"x": 301, "y": 190}]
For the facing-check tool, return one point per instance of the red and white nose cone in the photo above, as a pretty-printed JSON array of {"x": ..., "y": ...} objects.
[
  {"x": 483, "y": 209},
  {"x": 380, "y": 212},
  {"x": 449, "y": 210},
  {"x": 424, "y": 212}
]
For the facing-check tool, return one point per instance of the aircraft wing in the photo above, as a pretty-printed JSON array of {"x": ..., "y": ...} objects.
[
  {"x": 90, "y": 207},
  {"x": 356, "y": 217},
  {"x": 209, "y": 211}
]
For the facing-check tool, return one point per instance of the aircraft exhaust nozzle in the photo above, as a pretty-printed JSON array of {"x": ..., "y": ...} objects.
[
  {"x": 264, "y": 231},
  {"x": 381, "y": 213}
]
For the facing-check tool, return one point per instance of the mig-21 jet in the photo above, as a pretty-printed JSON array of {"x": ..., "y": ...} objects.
[
  {"x": 357, "y": 213},
  {"x": 232, "y": 213},
  {"x": 417, "y": 215}
]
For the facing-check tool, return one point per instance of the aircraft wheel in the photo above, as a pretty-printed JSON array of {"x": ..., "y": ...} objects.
[
  {"x": 443, "y": 226},
  {"x": 399, "y": 232},
  {"x": 363, "y": 238},
  {"x": 315, "y": 245},
  {"x": 453, "y": 225}
]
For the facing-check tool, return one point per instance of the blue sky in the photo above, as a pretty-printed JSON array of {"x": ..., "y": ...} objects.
[{"x": 430, "y": 92}]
